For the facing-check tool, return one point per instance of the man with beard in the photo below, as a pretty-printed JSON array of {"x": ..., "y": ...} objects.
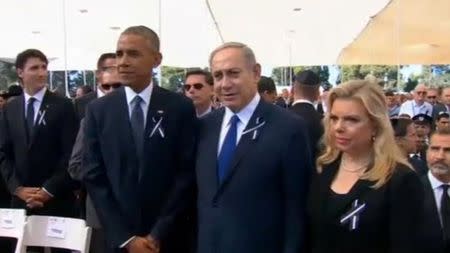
[{"x": 437, "y": 199}]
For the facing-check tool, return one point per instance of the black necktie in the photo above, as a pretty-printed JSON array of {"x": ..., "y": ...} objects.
[
  {"x": 137, "y": 124},
  {"x": 30, "y": 116},
  {"x": 445, "y": 212}
]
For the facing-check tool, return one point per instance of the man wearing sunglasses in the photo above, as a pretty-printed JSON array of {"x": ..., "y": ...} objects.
[
  {"x": 107, "y": 81},
  {"x": 199, "y": 87},
  {"x": 417, "y": 105}
]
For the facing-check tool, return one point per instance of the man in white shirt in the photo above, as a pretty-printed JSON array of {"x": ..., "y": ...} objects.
[
  {"x": 418, "y": 105},
  {"x": 437, "y": 194}
]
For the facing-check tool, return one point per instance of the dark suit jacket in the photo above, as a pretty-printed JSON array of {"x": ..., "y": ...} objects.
[
  {"x": 40, "y": 161},
  {"x": 313, "y": 121},
  {"x": 125, "y": 204},
  {"x": 82, "y": 102},
  {"x": 259, "y": 207},
  {"x": 437, "y": 108},
  {"x": 419, "y": 165},
  {"x": 433, "y": 242},
  {"x": 390, "y": 221}
]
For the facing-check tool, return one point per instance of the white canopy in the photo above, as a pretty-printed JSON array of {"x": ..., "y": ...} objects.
[{"x": 281, "y": 32}]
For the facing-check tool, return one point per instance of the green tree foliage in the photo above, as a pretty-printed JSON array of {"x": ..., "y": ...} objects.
[
  {"x": 281, "y": 75},
  {"x": 172, "y": 77},
  {"x": 7, "y": 75}
]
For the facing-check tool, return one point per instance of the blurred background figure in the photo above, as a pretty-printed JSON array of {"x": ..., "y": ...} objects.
[
  {"x": 442, "y": 121},
  {"x": 306, "y": 92},
  {"x": 199, "y": 86},
  {"x": 392, "y": 104},
  {"x": 406, "y": 138},
  {"x": 83, "y": 90},
  {"x": 418, "y": 105},
  {"x": 433, "y": 96},
  {"x": 422, "y": 123},
  {"x": 267, "y": 89}
]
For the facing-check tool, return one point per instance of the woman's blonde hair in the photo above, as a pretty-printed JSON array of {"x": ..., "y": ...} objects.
[{"x": 386, "y": 154}]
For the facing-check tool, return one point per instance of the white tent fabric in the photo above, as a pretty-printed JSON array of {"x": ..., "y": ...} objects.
[{"x": 76, "y": 32}]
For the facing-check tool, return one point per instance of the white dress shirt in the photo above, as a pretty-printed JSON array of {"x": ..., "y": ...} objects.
[
  {"x": 438, "y": 191},
  {"x": 205, "y": 112},
  {"x": 244, "y": 116},
  {"x": 145, "y": 95},
  {"x": 39, "y": 96},
  {"x": 100, "y": 93},
  {"x": 411, "y": 108},
  {"x": 298, "y": 101}
]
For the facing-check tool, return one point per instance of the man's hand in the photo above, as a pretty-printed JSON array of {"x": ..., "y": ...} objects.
[
  {"x": 41, "y": 196},
  {"x": 141, "y": 245},
  {"x": 25, "y": 193},
  {"x": 153, "y": 243}
]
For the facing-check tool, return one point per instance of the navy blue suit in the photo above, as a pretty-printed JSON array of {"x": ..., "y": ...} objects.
[
  {"x": 260, "y": 205},
  {"x": 133, "y": 199}
]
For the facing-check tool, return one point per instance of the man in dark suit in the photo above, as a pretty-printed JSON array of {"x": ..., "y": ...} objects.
[
  {"x": 444, "y": 106},
  {"x": 252, "y": 165},
  {"x": 267, "y": 89},
  {"x": 105, "y": 63},
  {"x": 37, "y": 132},
  {"x": 108, "y": 80},
  {"x": 139, "y": 147},
  {"x": 306, "y": 92},
  {"x": 437, "y": 194}
]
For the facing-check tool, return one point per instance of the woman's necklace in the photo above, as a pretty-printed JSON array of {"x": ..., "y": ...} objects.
[{"x": 344, "y": 166}]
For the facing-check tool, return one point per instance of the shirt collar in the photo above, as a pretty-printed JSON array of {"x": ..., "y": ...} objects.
[
  {"x": 205, "y": 112},
  {"x": 39, "y": 96},
  {"x": 145, "y": 94},
  {"x": 100, "y": 93},
  {"x": 246, "y": 113},
  {"x": 298, "y": 101},
  {"x": 435, "y": 183}
]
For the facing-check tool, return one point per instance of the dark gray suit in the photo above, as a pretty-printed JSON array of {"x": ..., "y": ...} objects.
[{"x": 260, "y": 205}]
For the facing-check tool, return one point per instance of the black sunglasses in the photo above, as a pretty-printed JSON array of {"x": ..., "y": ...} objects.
[
  {"x": 113, "y": 85},
  {"x": 197, "y": 86},
  {"x": 431, "y": 97}
]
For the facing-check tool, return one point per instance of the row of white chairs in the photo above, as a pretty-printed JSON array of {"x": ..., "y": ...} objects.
[{"x": 44, "y": 231}]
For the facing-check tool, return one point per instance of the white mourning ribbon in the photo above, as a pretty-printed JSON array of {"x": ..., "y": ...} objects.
[
  {"x": 352, "y": 216},
  {"x": 157, "y": 127},
  {"x": 255, "y": 128},
  {"x": 41, "y": 119}
]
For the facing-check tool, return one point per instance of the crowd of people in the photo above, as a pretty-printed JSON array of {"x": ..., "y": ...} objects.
[{"x": 227, "y": 166}]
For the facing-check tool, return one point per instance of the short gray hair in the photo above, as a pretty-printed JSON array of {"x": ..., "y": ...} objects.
[
  {"x": 247, "y": 51},
  {"x": 146, "y": 33}
]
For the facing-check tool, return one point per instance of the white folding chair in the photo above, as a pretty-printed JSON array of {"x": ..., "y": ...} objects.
[
  {"x": 12, "y": 225},
  {"x": 57, "y": 232}
]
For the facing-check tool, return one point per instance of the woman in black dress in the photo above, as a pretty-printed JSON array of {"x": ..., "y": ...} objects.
[{"x": 365, "y": 197}]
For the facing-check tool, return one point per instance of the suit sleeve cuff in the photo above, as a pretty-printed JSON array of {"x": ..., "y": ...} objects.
[
  {"x": 51, "y": 195},
  {"x": 126, "y": 242}
]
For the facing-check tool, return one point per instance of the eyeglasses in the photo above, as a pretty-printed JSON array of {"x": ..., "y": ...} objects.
[
  {"x": 421, "y": 92},
  {"x": 431, "y": 97},
  {"x": 107, "y": 86},
  {"x": 197, "y": 86}
]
